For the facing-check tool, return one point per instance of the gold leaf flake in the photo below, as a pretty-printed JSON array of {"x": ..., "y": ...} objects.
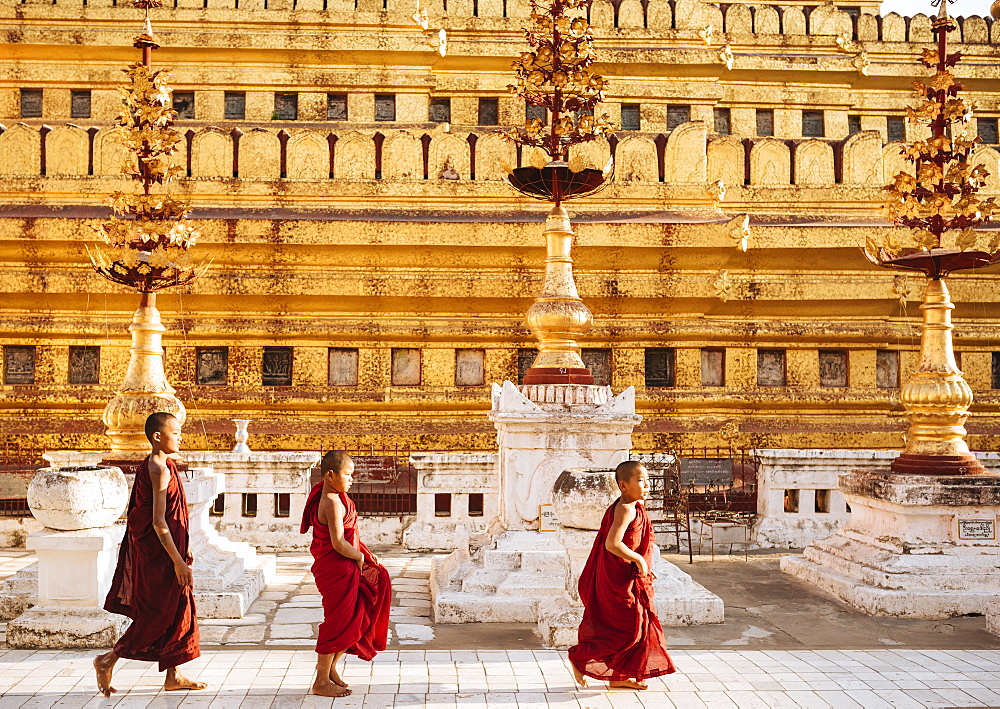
[
  {"x": 966, "y": 241},
  {"x": 722, "y": 286}
]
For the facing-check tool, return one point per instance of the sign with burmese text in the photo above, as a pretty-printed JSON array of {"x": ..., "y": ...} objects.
[
  {"x": 977, "y": 529},
  {"x": 547, "y": 521}
]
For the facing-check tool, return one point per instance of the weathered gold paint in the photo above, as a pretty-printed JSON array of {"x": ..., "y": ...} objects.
[
  {"x": 558, "y": 318},
  {"x": 438, "y": 264},
  {"x": 145, "y": 389},
  {"x": 936, "y": 397}
]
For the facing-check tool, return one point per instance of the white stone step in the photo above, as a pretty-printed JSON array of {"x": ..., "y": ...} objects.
[
  {"x": 530, "y": 585},
  {"x": 484, "y": 581},
  {"x": 19, "y": 592},
  {"x": 546, "y": 562},
  {"x": 498, "y": 559},
  {"x": 527, "y": 541},
  {"x": 24, "y": 581},
  {"x": 907, "y": 603},
  {"x": 234, "y": 600},
  {"x": 456, "y": 607}
]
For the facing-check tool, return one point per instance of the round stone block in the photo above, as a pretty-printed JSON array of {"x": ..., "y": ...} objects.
[
  {"x": 78, "y": 497},
  {"x": 580, "y": 496}
]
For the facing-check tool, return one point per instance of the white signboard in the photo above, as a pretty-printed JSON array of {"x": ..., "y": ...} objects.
[
  {"x": 547, "y": 518},
  {"x": 977, "y": 529}
]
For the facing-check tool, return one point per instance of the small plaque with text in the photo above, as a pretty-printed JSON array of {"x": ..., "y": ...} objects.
[
  {"x": 977, "y": 529},
  {"x": 547, "y": 518}
]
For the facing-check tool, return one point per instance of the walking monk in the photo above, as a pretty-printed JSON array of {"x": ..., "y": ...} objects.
[
  {"x": 153, "y": 582},
  {"x": 356, "y": 589},
  {"x": 620, "y": 638}
]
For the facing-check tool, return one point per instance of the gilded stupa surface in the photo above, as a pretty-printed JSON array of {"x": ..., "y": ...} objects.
[{"x": 371, "y": 267}]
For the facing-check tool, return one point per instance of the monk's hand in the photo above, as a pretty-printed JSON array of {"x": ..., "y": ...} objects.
[
  {"x": 361, "y": 563},
  {"x": 185, "y": 577},
  {"x": 642, "y": 567},
  {"x": 374, "y": 559}
]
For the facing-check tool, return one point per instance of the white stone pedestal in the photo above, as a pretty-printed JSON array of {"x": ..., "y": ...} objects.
[
  {"x": 529, "y": 576},
  {"x": 263, "y": 475},
  {"x": 457, "y": 475},
  {"x": 228, "y": 576},
  {"x": 903, "y": 554},
  {"x": 75, "y": 569},
  {"x": 543, "y": 430},
  {"x": 807, "y": 478}
]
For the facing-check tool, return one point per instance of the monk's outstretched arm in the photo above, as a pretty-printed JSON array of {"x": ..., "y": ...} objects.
[
  {"x": 624, "y": 514},
  {"x": 160, "y": 477},
  {"x": 337, "y": 541}
]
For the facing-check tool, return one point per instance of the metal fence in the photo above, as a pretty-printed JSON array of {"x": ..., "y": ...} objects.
[
  {"x": 715, "y": 481},
  {"x": 18, "y": 463},
  {"x": 385, "y": 484},
  {"x": 705, "y": 483}
]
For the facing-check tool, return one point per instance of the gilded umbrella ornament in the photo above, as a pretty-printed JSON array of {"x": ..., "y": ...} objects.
[
  {"x": 146, "y": 244},
  {"x": 938, "y": 202},
  {"x": 555, "y": 75}
]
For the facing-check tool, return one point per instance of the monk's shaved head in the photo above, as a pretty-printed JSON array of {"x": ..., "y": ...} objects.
[
  {"x": 157, "y": 422},
  {"x": 335, "y": 461},
  {"x": 628, "y": 470}
]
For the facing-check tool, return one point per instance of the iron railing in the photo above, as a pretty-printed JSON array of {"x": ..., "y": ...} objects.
[
  {"x": 18, "y": 463},
  {"x": 706, "y": 483},
  {"x": 385, "y": 484}
]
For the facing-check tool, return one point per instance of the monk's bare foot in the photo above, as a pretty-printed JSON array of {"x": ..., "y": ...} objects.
[
  {"x": 103, "y": 665},
  {"x": 179, "y": 682},
  {"x": 628, "y": 684},
  {"x": 580, "y": 678},
  {"x": 329, "y": 689},
  {"x": 336, "y": 679}
]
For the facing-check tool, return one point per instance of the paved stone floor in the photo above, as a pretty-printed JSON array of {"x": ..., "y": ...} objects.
[
  {"x": 783, "y": 645},
  {"x": 289, "y": 612}
]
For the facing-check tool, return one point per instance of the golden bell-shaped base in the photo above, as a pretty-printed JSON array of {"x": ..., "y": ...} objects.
[
  {"x": 145, "y": 389},
  {"x": 558, "y": 316},
  {"x": 937, "y": 398}
]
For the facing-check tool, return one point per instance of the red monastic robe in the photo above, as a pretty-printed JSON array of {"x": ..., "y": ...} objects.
[
  {"x": 355, "y": 603},
  {"x": 620, "y": 637},
  {"x": 164, "y": 625}
]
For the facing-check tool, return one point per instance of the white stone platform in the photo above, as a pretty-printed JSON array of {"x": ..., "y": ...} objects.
[
  {"x": 901, "y": 554},
  {"x": 74, "y": 574},
  {"x": 228, "y": 575},
  {"x": 264, "y": 475},
  {"x": 524, "y": 577},
  {"x": 457, "y": 475}
]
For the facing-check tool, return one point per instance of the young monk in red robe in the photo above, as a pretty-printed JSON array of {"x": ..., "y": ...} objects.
[
  {"x": 153, "y": 582},
  {"x": 355, "y": 588},
  {"x": 620, "y": 638}
]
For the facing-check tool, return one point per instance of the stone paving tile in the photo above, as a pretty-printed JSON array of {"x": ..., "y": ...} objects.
[
  {"x": 266, "y": 660},
  {"x": 289, "y": 610},
  {"x": 256, "y": 677}
]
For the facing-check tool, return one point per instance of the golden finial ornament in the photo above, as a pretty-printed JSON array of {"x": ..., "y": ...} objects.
[
  {"x": 937, "y": 200},
  {"x": 555, "y": 76},
  {"x": 146, "y": 244}
]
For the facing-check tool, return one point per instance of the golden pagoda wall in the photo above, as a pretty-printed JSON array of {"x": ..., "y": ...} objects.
[{"x": 326, "y": 234}]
